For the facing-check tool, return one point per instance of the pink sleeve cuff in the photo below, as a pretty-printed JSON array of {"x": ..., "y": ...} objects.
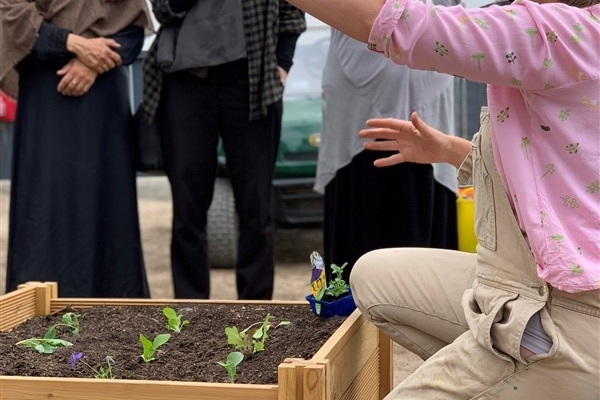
[{"x": 386, "y": 21}]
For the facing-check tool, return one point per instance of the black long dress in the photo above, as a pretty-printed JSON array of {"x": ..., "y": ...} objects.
[
  {"x": 416, "y": 211},
  {"x": 73, "y": 212}
]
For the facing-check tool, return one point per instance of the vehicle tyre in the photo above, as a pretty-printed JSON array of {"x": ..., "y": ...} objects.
[{"x": 222, "y": 227}]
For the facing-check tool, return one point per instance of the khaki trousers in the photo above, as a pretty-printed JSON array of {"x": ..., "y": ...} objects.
[{"x": 465, "y": 313}]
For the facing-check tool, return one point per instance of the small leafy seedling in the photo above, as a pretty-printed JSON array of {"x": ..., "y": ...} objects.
[
  {"x": 70, "y": 320},
  {"x": 150, "y": 347},
  {"x": 174, "y": 322},
  {"x": 47, "y": 344},
  {"x": 233, "y": 359},
  {"x": 103, "y": 372},
  {"x": 338, "y": 286},
  {"x": 251, "y": 340},
  {"x": 106, "y": 372}
]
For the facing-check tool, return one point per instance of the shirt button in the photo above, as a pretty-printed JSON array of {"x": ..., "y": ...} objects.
[{"x": 543, "y": 290}]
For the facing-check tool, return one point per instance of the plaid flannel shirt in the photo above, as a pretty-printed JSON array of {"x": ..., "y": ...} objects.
[{"x": 264, "y": 21}]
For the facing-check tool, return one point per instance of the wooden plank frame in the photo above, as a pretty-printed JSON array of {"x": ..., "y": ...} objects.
[{"x": 355, "y": 363}]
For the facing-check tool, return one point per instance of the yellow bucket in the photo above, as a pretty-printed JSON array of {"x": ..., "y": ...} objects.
[{"x": 465, "y": 213}]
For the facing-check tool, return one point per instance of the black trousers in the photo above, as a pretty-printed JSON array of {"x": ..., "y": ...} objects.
[{"x": 194, "y": 113}]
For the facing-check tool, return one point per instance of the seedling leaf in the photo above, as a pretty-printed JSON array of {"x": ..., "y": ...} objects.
[
  {"x": 161, "y": 339},
  {"x": 234, "y": 337},
  {"x": 174, "y": 322},
  {"x": 233, "y": 359},
  {"x": 45, "y": 346}
]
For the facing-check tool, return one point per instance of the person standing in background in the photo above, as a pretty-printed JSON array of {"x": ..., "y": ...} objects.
[
  {"x": 217, "y": 70},
  {"x": 73, "y": 208},
  {"x": 366, "y": 208}
]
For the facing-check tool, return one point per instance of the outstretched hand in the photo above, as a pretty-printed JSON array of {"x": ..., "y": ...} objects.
[{"x": 414, "y": 141}]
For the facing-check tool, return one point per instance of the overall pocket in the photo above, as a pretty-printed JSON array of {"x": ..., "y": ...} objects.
[{"x": 488, "y": 315}]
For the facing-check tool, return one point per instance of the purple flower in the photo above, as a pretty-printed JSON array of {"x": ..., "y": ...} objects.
[{"x": 74, "y": 358}]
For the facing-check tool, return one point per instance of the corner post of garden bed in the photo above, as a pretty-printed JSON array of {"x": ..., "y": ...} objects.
[
  {"x": 44, "y": 292},
  {"x": 386, "y": 365},
  {"x": 316, "y": 381},
  {"x": 290, "y": 378}
]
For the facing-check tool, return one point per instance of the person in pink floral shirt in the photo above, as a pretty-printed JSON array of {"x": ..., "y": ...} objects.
[{"x": 521, "y": 318}]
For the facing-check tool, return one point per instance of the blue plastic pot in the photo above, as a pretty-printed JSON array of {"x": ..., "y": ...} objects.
[{"x": 341, "y": 307}]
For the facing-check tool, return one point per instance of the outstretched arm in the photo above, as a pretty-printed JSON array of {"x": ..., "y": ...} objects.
[
  {"x": 352, "y": 17},
  {"x": 415, "y": 141}
]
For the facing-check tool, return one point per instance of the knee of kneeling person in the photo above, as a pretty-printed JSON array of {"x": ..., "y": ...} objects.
[{"x": 362, "y": 273}]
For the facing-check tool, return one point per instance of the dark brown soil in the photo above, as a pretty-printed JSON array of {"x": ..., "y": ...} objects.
[{"x": 190, "y": 355}]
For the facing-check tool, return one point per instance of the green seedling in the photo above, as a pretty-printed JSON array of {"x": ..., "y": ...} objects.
[
  {"x": 151, "y": 347},
  {"x": 233, "y": 359},
  {"x": 338, "y": 286},
  {"x": 174, "y": 322},
  {"x": 252, "y": 339},
  {"x": 70, "y": 321},
  {"x": 103, "y": 372},
  {"x": 47, "y": 344}
]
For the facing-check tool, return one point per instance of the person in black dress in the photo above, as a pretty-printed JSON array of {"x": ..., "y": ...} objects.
[{"x": 73, "y": 212}]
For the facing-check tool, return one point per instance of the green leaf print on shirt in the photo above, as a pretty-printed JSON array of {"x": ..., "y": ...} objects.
[
  {"x": 557, "y": 239},
  {"x": 589, "y": 103},
  {"x": 478, "y": 57},
  {"x": 531, "y": 32},
  {"x": 481, "y": 22},
  {"x": 396, "y": 5},
  {"x": 576, "y": 269},
  {"x": 511, "y": 13},
  {"x": 564, "y": 114},
  {"x": 542, "y": 216},
  {"x": 576, "y": 38},
  {"x": 547, "y": 63},
  {"x": 405, "y": 16},
  {"x": 441, "y": 49},
  {"x": 524, "y": 144},
  {"x": 550, "y": 169},
  {"x": 516, "y": 82},
  {"x": 569, "y": 201},
  {"x": 503, "y": 115},
  {"x": 593, "y": 187}
]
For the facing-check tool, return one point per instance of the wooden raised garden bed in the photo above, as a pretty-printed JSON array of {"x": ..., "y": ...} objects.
[{"x": 354, "y": 363}]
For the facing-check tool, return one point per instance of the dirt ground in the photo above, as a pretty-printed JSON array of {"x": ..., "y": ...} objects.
[{"x": 292, "y": 250}]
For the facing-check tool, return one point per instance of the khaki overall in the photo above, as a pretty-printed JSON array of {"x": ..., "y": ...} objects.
[{"x": 465, "y": 314}]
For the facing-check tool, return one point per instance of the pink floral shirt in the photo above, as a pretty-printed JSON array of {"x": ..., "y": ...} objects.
[{"x": 542, "y": 67}]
